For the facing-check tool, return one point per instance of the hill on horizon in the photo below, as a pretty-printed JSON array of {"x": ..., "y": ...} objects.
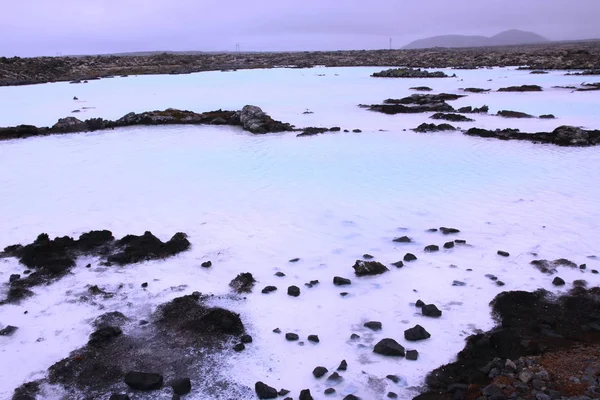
[{"x": 506, "y": 38}]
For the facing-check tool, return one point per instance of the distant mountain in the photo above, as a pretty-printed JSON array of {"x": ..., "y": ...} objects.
[{"x": 506, "y": 38}]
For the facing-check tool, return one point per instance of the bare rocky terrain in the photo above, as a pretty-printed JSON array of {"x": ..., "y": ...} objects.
[{"x": 26, "y": 71}]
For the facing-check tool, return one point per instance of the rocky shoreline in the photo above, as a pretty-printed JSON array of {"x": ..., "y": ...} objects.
[{"x": 582, "y": 56}]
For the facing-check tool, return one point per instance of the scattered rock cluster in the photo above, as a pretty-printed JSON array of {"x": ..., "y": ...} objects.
[{"x": 409, "y": 73}]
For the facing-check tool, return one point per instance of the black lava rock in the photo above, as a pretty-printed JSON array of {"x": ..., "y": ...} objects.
[
  {"x": 448, "y": 231},
  {"x": 389, "y": 347},
  {"x": 145, "y": 284},
  {"x": 329, "y": 391},
  {"x": 292, "y": 337},
  {"x": 448, "y": 245},
  {"x": 269, "y": 289},
  {"x": 503, "y": 253},
  {"x": 412, "y": 355},
  {"x": 419, "y": 303},
  {"x": 283, "y": 392},
  {"x": 416, "y": 333},
  {"x": 144, "y": 381},
  {"x": 365, "y": 268},
  {"x": 8, "y": 330},
  {"x": 279, "y": 274},
  {"x": 313, "y": 338},
  {"x": 398, "y": 264},
  {"x": 403, "y": 239},
  {"x": 119, "y": 396},
  {"x": 239, "y": 347},
  {"x": 14, "y": 278},
  {"x": 409, "y": 257},
  {"x": 343, "y": 366},
  {"x": 293, "y": 260},
  {"x": 305, "y": 395},
  {"x": 246, "y": 339},
  {"x": 430, "y": 310},
  {"x": 243, "y": 283},
  {"x": 206, "y": 264},
  {"x": 373, "y": 325},
  {"x": 368, "y": 256},
  {"x": 319, "y": 372},
  {"x": 431, "y": 248},
  {"x": 335, "y": 377},
  {"x": 392, "y": 395},
  {"x": 104, "y": 335},
  {"x": 339, "y": 281},
  {"x": 181, "y": 386},
  {"x": 264, "y": 391},
  {"x": 558, "y": 281},
  {"x": 293, "y": 291}
]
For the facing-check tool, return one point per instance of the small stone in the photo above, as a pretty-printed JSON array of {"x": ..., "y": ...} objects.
[
  {"x": 594, "y": 271},
  {"x": 14, "y": 278},
  {"x": 181, "y": 386},
  {"x": 460, "y": 241},
  {"x": 339, "y": 281},
  {"x": 525, "y": 376},
  {"x": 329, "y": 391},
  {"x": 431, "y": 248},
  {"x": 419, "y": 304},
  {"x": 412, "y": 355},
  {"x": 430, "y": 310},
  {"x": 373, "y": 325},
  {"x": 368, "y": 257},
  {"x": 409, "y": 257},
  {"x": 389, "y": 347},
  {"x": 269, "y": 289},
  {"x": 416, "y": 333},
  {"x": 393, "y": 378},
  {"x": 145, "y": 284},
  {"x": 292, "y": 337},
  {"x": 8, "y": 330},
  {"x": 403, "y": 239},
  {"x": 239, "y": 347},
  {"x": 558, "y": 281},
  {"x": 246, "y": 339},
  {"x": 499, "y": 283},
  {"x": 335, "y": 377},
  {"x": 305, "y": 395},
  {"x": 279, "y": 274},
  {"x": 293, "y": 260},
  {"x": 319, "y": 372},
  {"x": 448, "y": 231},
  {"x": 264, "y": 391},
  {"x": 351, "y": 397},
  {"x": 283, "y": 392},
  {"x": 392, "y": 395},
  {"x": 293, "y": 291},
  {"x": 277, "y": 330},
  {"x": 503, "y": 253},
  {"x": 448, "y": 245},
  {"x": 354, "y": 336},
  {"x": 313, "y": 338},
  {"x": 398, "y": 264},
  {"x": 206, "y": 264},
  {"x": 343, "y": 366},
  {"x": 458, "y": 283},
  {"x": 344, "y": 294}
]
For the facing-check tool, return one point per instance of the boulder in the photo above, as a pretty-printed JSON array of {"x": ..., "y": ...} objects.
[
  {"x": 430, "y": 310},
  {"x": 243, "y": 283},
  {"x": 412, "y": 355},
  {"x": 416, "y": 333},
  {"x": 547, "y": 116},
  {"x": 343, "y": 366},
  {"x": 305, "y": 395},
  {"x": 264, "y": 391},
  {"x": 293, "y": 291},
  {"x": 269, "y": 289},
  {"x": 104, "y": 335},
  {"x": 339, "y": 281},
  {"x": 431, "y": 248},
  {"x": 318, "y": 372},
  {"x": 69, "y": 125},
  {"x": 8, "y": 330},
  {"x": 313, "y": 338},
  {"x": 114, "y": 319},
  {"x": 448, "y": 231},
  {"x": 144, "y": 381},
  {"x": 570, "y": 135},
  {"x": 181, "y": 386},
  {"x": 292, "y": 337},
  {"x": 373, "y": 325},
  {"x": 365, "y": 268},
  {"x": 503, "y": 253},
  {"x": 389, "y": 347},
  {"x": 254, "y": 120},
  {"x": 403, "y": 239},
  {"x": 424, "y": 128},
  {"x": 558, "y": 281},
  {"x": 449, "y": 245},
  {"x": 408, "y": 257},
  {"x": 206, "y": 264}
]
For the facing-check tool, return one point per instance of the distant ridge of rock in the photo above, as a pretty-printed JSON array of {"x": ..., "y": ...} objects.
[{"x": 507, "y": 38}]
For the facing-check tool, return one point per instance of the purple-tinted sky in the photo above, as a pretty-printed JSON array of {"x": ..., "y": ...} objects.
[{"x": 49, "y": 27}]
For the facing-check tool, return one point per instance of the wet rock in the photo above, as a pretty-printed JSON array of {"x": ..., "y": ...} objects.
[
  {"x": 246, "y": 339},
  {"x": 313, "y": 338},
  {"x": 329, "y": 391},
  {"x": 392, "y": 395},
  {"x": 147, "y": 247},
  {"x": 431, "y": 248},
  {"x": 460, "y": 241},
  {"x": 503, "y": 253},
  {"x": 356, "y": 130},
  {"x": 448, "y": 231},
  {"x": 14, "y": 277},
  {"x": 513, "y": 114},
  {"x": 398, "y": 264},
  {"x": 522, "y": 88},
  {"x": 416, "y": 333},
  {"x": 419, "y": 303},
  {"x": 354, "y": 336},
  {"x": 319, "y": 372},
  {"x": 305, "y": 395},
  {"x": 206, "y": 264},
  {"x": 547, "y": 116},
  {"x": 293, "y": 291},
  {"x": 424, "y": 128},
  {"x": 430, "y": 310},
  {"x": 476, "y": 90},
  {"x": 239, "y": 347},
  {"x": 335, "y": 377},
  {"x": 351, "y": 397},
  {"x": 389, "y": 347},
  {"x": 422, "y": 88},
  {"x": 279, "y": 274},
  {"x": 458, "y": 283},
  {"x": 283, "y": 392},
  {"x": 292, "y": 337},
  {"x": 145, "y": 285},
  {"x": 412, "y": 355},
  {"x": 448, "y": 245},
  {"x": 254, "y": 120},
  {"x": 550, "y": 267},
  {"x": 403, "y": 239},
  {"x": 69, "y": 125},
  {"x": 294, "y": 260},
  {"x": 8, "y": 330},
  {"x": 113, "y": 318},
  {"x": 558, "y": 281},
  {"x": 264, "y": 391},
  {"x": 408, "y": 257},
  {"x": 474, "y": 110},
  {"x": 104, "y": 335},
  {"x": 366, "y": 268},
  {"x": 451, "y": 117},
  {"x": 269, "y": 289},
  {"x": 144, "y": 381},
  {"x": 561, "y": 136},
  {"x": 368, "y": 257},
  {"x": 182, "y": 386},
  {"x": 243, "y": 283},
  {"x": 339, "y": 281},
  {"x": 409, "y": 73},
  {"x": 373, "y": 325},
  {"x": 343, "y": 366},
  {"x": 276, "y": 330}
]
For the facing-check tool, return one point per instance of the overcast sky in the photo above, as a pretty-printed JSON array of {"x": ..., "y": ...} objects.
[{"x": 49, "y": 27}]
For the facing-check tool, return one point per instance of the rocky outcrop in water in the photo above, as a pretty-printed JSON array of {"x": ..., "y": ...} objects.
[
  {"x": 562, "y": 136},
  {"x": 416, "y": 103},
  {"x": 434, "y": 128},
  {"x": 250, "y": 118},
  {"x": 513, "y": 114},
  {"x": 522, "y": 88},
  {"x": 409, "y": 73},
  {"x": 51, "y": 259},
  {"x": 452, "y": 117}
]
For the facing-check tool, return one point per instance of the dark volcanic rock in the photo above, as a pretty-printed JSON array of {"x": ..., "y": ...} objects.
[
  {"x": 547, "y": 116},
  {"x": 409, "y": 73},
  {"x": 503, "y": 253},
  {"x": 147, "y": 247},
  {"x": 430, "y": 310},
  {"x": 113, "y": 318},
  {"x": 365, "y": 268},
  {"x": 522, "y": 88},
  {"x": 368, "y": 256},
  {"x": 558, "y": 281},
  {"x": 423, "y": 128},
  {"x": 313, "y": 338},
  {"x": 181, "y": 386},
  {"x": 339, "y": 281},
  {"x": 343, "y": 366},
  {"x": 144, "y": 381},
  {"x": 264, "y": 391},
  {"x": 373, "y": 325},
  {"x": 448, "y": 231},
  {"x": 293, "y": 291},
  {"x": 472, "y": 110},
  {"x": 305, "y": 395},
  {"x": 416, "y": 103},
  {"x": 389, "y": 347},
  {"x": 254, "y": 120},
  {"x": 403, "y": 239},
  {"x": 475, "y": 90},
  {"x": 412, "y": 355},
  {"x": 243, "y": 283},
  {"x": 416, "y": 333},
  {"x": 398, "y": 264},
  {"x": 116, "y": 396},
  {"x": 408, "y": 257},
  {"x": 8, "y": 330},
  {"x": 431, "y": 248},
  {"x": 449, "y": 245},
  {"x": 549, "y": 267},
  {"x": 292, "y": 337},
  {"x": 422, "y": 88},
  {"x": 104, "y": 335},
  {"x": 513, "y": 114},
  {"x": 318, "y": 372},
  {"x": 14, "y": 277},
  {"x": 206, "y": 264},
  {"x": 451, "y": 117},
  {"x": 424, "y": 99},
  {"x": 269, "y": 289}
]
